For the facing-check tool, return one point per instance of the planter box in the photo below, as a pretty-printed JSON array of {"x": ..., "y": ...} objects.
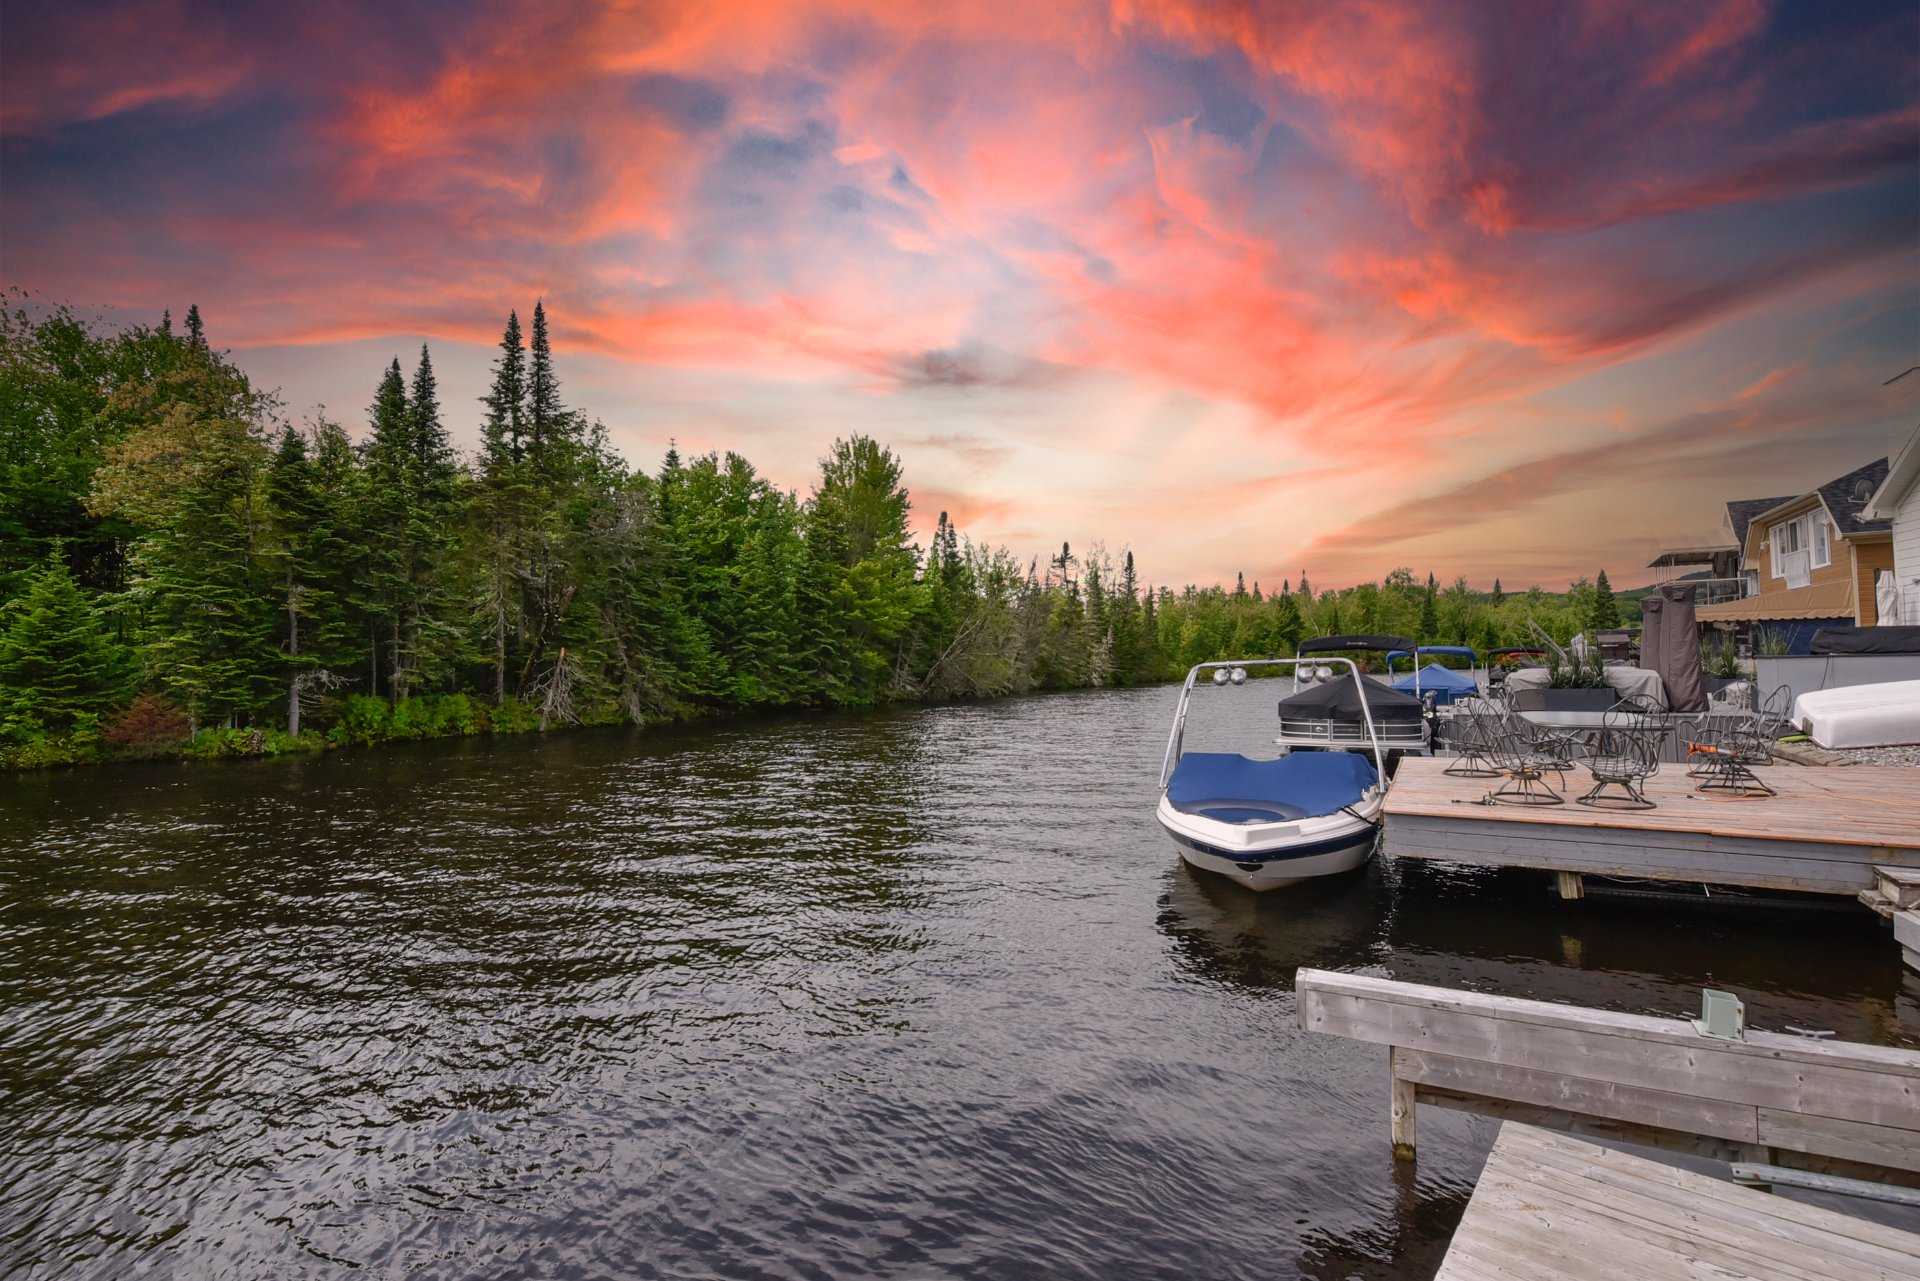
[{"x": 1564, "y": 700}]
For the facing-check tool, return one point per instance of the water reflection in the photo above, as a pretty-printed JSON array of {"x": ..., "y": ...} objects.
[{"x": 1225, "y": 934}]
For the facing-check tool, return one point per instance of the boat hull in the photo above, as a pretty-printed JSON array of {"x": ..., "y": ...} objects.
[{"x": 1261, "y": 861}]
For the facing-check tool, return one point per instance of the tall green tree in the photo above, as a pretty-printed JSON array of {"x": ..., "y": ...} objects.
[
  {"x": 1606, "y": 608},
  {"x": 313, "y": 544},
  {"x": 59, "y": 661}
]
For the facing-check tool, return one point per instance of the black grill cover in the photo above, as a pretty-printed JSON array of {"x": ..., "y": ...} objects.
[
  {"x": 1866, "y": 640},
  {"x": 1338, "y": 700}
]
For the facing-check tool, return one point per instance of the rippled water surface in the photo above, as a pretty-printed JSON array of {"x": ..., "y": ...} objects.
[{"x": 913, "y": 994}]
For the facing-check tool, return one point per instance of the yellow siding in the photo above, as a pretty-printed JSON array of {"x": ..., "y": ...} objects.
[{"x": 1867, "y": 559}]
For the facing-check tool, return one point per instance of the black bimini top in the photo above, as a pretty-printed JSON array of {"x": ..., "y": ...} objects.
[
  {"x": 1338, "y": 700},
  {"x": 1326, "y": 644}
]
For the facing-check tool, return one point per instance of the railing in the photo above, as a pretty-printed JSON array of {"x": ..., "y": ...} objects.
[{"x": 1713, "y": 591}]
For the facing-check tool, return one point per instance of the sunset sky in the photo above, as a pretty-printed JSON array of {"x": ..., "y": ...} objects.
[{"x": 1521, "y": 290}]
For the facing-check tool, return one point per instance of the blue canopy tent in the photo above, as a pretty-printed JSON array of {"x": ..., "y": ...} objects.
[{"x": 1443, "y": 682}]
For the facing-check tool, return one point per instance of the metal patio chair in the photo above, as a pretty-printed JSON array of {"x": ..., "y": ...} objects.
[
  {"x": 1721, "y": 747},
  {"x": 1524, "y": 767},
  {"x": 1560, "y": 747},
  {"x": 1625, "y": 754},
  {"x": 1773, "y": 717},
  {"x": 1469, "y": 732}
]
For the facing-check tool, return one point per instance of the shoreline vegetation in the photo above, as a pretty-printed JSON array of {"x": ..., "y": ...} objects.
[{"x": 187, "y": 573}]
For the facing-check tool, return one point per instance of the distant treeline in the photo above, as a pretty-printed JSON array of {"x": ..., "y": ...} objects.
[{"x": 183, "y": 570}]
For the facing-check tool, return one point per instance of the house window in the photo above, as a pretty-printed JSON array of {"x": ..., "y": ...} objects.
[
  {"x": 1785, "y": 539},
  {"x": 1822, "y": 550}
]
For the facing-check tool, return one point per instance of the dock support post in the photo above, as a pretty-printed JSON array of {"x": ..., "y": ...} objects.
[
  {"x": 1403, "y": 1111},
  {"x": 1572, "y": 885}
]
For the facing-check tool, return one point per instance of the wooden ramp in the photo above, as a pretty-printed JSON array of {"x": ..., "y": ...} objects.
[
  {"x": 1552, "y": 1207},
  {"x": 1825, "y": 832}
]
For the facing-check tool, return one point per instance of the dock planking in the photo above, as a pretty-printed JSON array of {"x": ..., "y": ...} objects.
[
  {"x": 1825, "y": 832},
  {"x": 1552, "y": 1206}
]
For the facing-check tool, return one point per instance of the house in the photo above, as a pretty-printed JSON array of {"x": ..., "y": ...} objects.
[
  {"x": 1809, "y": 561},
  {"x": 1897, "y": 501}
]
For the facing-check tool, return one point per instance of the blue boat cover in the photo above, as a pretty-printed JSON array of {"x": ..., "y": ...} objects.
[
  {"x": 1235, "y": 789},
  {"x": 1444, "y": 681}
]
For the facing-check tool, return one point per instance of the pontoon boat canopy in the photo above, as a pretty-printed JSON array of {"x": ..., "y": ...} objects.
[
  {"x": 1458, "y": 651},
  {"x": 1326, "y": 644},
  {"x": 1340, "y": 701}
]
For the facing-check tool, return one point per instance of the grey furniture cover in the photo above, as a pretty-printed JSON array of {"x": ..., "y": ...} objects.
[{"x": 1670, "y": 645}]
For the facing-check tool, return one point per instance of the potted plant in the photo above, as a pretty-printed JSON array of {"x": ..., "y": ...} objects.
[
  {"x": 1573, "y": 685},
  {"x": 1719, "y": 665}
]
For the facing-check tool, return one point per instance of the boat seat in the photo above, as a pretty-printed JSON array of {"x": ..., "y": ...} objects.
[{"x": 1232, "y": 788}]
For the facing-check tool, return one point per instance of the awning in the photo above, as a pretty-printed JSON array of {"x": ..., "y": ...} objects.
[
  {"x": 1820, "y": 600},
  {"x": 1674, "y": 557}
]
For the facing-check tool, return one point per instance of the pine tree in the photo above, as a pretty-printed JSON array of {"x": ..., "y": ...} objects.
[
  {"x": 1499, "y": 596},
  {"x": 1606, "y": 609},
  {"x": 390, "y": 577},
  {"x": 503, "y": 434},
  {"x": 312, "y": 550},
  {"x": 58, "y": 660},
  {"x": 547, "y": 419},
  {"x": 196, "y": 331},
  {"x": 1429, "y": 614},
  {"x": 201, "y": 586}
]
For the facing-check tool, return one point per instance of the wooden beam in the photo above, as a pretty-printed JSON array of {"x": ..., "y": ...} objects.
[{"x": 1401, "y": 1108}]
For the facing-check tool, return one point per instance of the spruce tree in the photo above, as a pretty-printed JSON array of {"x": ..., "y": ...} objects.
[
  {"x": 202, "y": 589},
  {"x": 313, "y": 551},
  {"x": 547, "y": 419},
  {"x": 1606, "y": 609},
  {"x": 388, "y": 515},
  {"x": 503, "y": 434},
  {"x": 58, "y": 659},
  {"x": 196, "y": 331},
  {"x": 1499, "y": 596}
]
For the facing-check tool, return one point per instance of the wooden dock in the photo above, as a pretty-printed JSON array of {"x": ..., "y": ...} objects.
[
  {"x": 1552, "y": 1207},
  {"x": 1826, "y": 831},
  {"x": 1829, "y": 1106}
]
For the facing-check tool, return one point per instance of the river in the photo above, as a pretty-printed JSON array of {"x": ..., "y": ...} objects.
[{"x": 919, "y": 993}]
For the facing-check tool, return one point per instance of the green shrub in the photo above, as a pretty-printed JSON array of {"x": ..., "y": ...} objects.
[
  {"x": 52, "y": 750},
  {"x": 364, "y": 721},
  {"x": 211, "y": 743},
  {"x": 281, "y": 743},
  {"x": 514, "y": 717}
]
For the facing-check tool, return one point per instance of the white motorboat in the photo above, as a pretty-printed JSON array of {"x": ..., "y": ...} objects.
[{"x": 1268, "y": 823}]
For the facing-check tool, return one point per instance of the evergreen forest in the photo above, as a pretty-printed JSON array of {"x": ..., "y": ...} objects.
[{"x": 184, "y": 570}]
